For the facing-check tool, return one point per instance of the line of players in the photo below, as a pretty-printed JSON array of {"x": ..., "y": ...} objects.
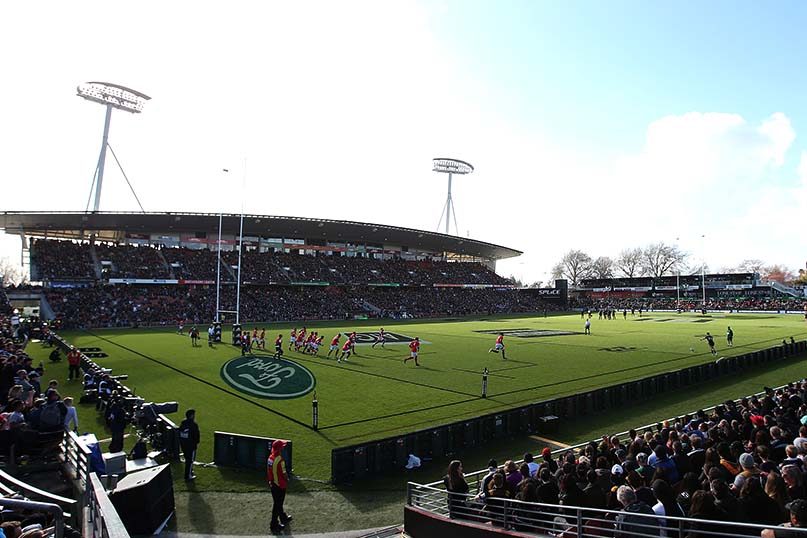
[{"x": 304, "y": 342}]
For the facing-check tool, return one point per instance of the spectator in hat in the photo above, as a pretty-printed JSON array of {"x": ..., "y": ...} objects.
[
  {"x": 749, "y": 470},
  {"x": 546, "y": 454},
  {"x": 798, "y": 518},
  {"x": 277, "y": 475}
]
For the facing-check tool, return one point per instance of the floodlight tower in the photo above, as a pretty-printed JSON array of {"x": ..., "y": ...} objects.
[
  {"x": 450, "y": 167},
  {"x": 111, "y": 96}
]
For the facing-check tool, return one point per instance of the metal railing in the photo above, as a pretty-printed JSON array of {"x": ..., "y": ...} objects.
[
  {"x": 102, "y": 520},
  {"x": 53, "y": 509},
  {"x": 75, "y": 459},
  {"x": 476, "y": 476},
  {"x": 569, "y": 521}
]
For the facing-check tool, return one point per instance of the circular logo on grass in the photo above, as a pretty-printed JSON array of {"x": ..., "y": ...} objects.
[{"x": 274, "y": 379}]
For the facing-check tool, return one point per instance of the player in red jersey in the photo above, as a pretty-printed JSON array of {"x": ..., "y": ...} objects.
[
  {"x": 181, "y": 328},
  {"x": 262, "y": 340},
  {"x": 345, "y": 351},
  {"x": 315, "y": 343},
  {"x": 380, "y": 338},
  {"x": 334, "y": 345},
  {"x": 254, "y": 342},
  {"x": 278, "y": 346},
  {"x": 301, "y": 335},
  {"x": 352, "y": 339},
  {"x": 308, "y": 340},
  {"x": 292, "y": 337},
  {"x": 499, "y": 346},
  {"x": 414, "y": 347}
]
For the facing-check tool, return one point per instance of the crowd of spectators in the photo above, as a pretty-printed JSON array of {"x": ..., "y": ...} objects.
[
  {"x": 29, "y": 405},
  {"x": 139, "y": 305},
  {"x": 130, "y": 261},
  {"x": 53, "y": 260},
  {"x": 742, "y": 462},
  {"x": 775, "y": 304}
]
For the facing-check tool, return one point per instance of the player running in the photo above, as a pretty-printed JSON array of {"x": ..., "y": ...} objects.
[
  {"x": 380, "y": 338},
  {"x": 729, "y": 337},
  {"x": 181, "y": 328},
  {"x": 194, "y": 334},
  {"x": 315, "y": 345},
  {"x": 346, "y": 350},
  {"x": 499, "y": 346},
  {"x": 711, "y": 341},
  {"x": 352, "y": 339},
  {"x": 334, "y": 345},
  {"x": 414, "y": 347},
  {"x": 301, "y": 335},
  {"x": 262, "y": 340},
  {"x": 278, "y": 346}
]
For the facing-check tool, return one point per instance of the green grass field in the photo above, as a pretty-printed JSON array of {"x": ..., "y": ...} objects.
[{"x": 375, "y": 395}]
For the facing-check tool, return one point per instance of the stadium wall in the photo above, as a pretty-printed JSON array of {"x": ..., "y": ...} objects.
[{"x": 382, "y": 456}]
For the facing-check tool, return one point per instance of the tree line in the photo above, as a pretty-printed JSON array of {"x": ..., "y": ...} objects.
[{"x": 659, "y": 259}]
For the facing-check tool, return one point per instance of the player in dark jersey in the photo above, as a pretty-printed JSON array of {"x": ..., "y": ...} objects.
[
  {"x": 729, "y": 337},
  {"x": 278, "y": 346},
  {"x": 711, "y": 341}
]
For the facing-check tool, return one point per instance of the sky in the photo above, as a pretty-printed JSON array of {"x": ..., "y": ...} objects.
[{"x": 591, "y": 125}]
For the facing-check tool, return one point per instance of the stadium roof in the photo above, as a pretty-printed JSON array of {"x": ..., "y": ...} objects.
[{"x": 111, "y": 226}]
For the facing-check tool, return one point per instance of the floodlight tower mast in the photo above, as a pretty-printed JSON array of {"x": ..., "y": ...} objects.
[
  {"x": 111, "y": 96},
  {"x": 450, "y": 167}
]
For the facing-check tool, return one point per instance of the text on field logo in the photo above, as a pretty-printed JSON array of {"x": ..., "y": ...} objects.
[{"x": 265, "y": 377}]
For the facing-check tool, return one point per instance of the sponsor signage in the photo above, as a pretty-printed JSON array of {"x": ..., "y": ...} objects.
[
  {"x": 309, "y": 284},
  {"x": 665, "y": 288},
  {"x": 267, "y": 377},
  {"x": 548, "y": 292},
  {"x": 143, "y": 281}
]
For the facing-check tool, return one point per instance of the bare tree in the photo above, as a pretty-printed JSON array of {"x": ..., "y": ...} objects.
[
  {"x": 751, "y": 266},
  {"x": 602, "y": 267},
  {"x": 660, "y": 259},
  {"x": 629, "y": 262},
  {"x": 537, "y": 284},
  {"x": 10, "y": 273},
  {"x": 778, "y": 273},
  {"x": 574, "y": 267}
]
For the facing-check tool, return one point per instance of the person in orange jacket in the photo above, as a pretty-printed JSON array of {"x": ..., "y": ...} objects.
[{"x": 278, "y": 477}]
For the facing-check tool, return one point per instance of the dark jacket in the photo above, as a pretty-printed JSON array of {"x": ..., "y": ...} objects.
[{"x": 188, "y": 434}]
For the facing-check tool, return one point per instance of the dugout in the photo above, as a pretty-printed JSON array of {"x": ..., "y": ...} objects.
[{"x": 246, "y": 451}]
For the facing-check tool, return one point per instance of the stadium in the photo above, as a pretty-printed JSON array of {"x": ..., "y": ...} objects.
[
  {"x": 129, "y": 288},
  {"x": 606, "y": 337}
]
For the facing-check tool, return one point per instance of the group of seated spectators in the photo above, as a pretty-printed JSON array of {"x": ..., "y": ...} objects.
[
  {"x": 743, "y": 462},
  {"x": 28, "y": 405},
  {"x": 140, "y": 305},
  {"x": 775, "y": 304},
  {"x": 54, "y": 260}
]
